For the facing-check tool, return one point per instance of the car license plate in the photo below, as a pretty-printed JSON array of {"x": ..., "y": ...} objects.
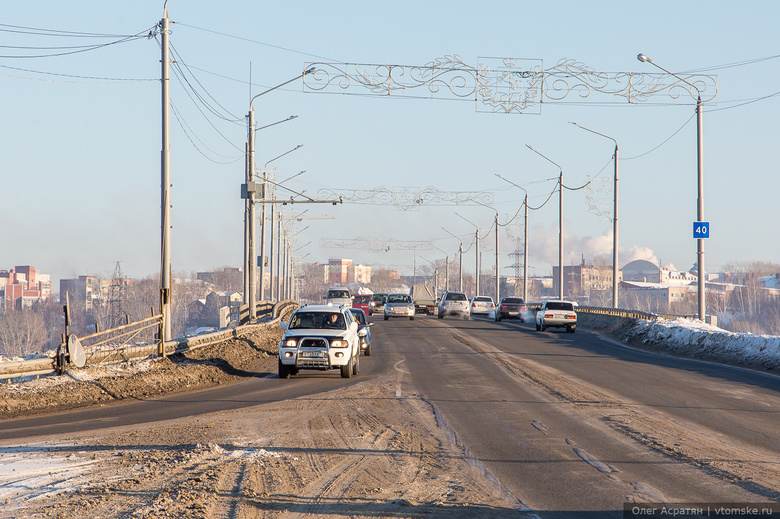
[{"x": 311, "y": 354}]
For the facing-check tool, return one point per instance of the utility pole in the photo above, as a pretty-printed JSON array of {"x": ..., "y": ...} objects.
[
  {"x": 498, "y": 278},
  {"x": 165, "y": 272}
]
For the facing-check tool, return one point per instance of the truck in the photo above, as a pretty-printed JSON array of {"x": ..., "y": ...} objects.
[{"x": 424, "y": 298}]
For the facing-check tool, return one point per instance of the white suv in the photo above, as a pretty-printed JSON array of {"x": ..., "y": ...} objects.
[
  {"x": 320, "y": 337},
  {"x": 454, "y": 303},
  {"x": 556, "y": 314}
]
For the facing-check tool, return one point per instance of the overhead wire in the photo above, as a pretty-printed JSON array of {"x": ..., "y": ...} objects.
[{"x": 80, "y": 49}]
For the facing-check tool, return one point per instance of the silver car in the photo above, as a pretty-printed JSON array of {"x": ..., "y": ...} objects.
[
  {"x": 454, "y": 303},
  {"x": 399, "y": 305}
]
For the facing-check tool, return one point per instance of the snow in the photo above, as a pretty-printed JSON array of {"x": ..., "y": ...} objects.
[
  {"x": 36, "y": 471},
  {"x": 692, "y": 338}
]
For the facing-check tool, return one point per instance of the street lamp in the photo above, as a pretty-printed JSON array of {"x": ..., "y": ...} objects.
[
  {"x": 476, "y": 235},
  {"x": 498, "y": 277},
  {"x": 560, "y": 220},
  {"x": 460, "y": 260},
  {"x": 525, "y": 239},
  {"x": 250, "y": 256},
  {"x": 700, "y": 199},
  {"x": 273, "y": 211},
  {"x": 615, "y": 270},
  {"x": 446, "y": 267}
]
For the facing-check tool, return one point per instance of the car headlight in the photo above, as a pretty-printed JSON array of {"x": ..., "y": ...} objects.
[
  {"x": 338, "y": 343},
  {"x": 289, "y": 343}
]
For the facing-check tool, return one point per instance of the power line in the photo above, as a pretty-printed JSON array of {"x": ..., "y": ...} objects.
[{"x": 256, "y": 42}]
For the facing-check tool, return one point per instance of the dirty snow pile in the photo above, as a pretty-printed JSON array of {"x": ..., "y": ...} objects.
[{"x": 694, "y": 339}]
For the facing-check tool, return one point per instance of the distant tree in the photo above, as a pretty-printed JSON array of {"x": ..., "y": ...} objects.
[
  {"x": 228, "y": 279},
  {"x": 384, "y": 280},
  {"x": 22, "y": 332}
]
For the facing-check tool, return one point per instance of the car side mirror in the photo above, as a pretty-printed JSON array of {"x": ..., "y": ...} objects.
[
  {"x": 353, "y": 326},
  {"x": 283, "y": 325},
  {"x": 370, "y": 324}
]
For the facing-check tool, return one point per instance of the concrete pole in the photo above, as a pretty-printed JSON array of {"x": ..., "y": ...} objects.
[
  {"x": 498, "y": 277},
  {"x": 700, "y": 210},
  {"x": 165, "y": 272}
]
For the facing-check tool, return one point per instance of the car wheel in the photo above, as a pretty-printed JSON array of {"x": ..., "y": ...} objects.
[
  {"x": 441, "y": 315},
  {"x": 284, "y": 370},
  {"x": 367, "y": 351},
  {"x": 356, "y": 366},
  {"x": 498, "y": 317},
  {"x": 411, "y": 318},
  {"x": 544, "y": 328},
  {"x": 385, "y": 318},
  {"x": 570, "y": 329},
  {"x": 346, "y": 370},
  {"x": 538, "y": 327},
  {"x": 467, "y": 317}
]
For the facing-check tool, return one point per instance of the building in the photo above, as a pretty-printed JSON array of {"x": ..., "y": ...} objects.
[
  {"x": 585, "y": 283},
  {"x": 82, "y": 292},
  {"x": 23, "y": 286},
  {"x": 343, "y": 272}
]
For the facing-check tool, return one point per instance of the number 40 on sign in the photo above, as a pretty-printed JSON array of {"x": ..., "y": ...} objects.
[{"x": 701, "y": 230}]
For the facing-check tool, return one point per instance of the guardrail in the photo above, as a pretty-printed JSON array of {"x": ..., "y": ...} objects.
[{"x": 98, "y": 349}]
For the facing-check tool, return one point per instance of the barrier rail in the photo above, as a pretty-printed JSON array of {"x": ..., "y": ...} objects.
[{"x": 97, "y": 347}]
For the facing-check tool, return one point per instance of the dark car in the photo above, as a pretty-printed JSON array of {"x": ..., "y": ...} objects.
[
  {"x": 364, "y": 332},
  {"x": 511, "y": 308},
  {"x": 377, "y": 304}
]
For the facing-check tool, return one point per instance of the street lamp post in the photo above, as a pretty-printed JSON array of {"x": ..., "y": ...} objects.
[
  {"x": 460, "y": 259},
  {"x": 273, "y": 212},
  {"x": 250, "y": 255},
  {"x": 700, "y": 199},
  {"x": 476, "y": 236},
  {"x": 615, "y": 270},
  {"x": 525, "y": 239},
  {"x": 446, "y": 267},
  {"x": 560, "y": 219}
]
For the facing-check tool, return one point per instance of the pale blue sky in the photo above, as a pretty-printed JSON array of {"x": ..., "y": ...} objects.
[{"x": 81, "y": 152}]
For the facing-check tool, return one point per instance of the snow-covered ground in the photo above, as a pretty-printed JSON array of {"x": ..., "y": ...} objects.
[{"x": 692, "y": 338}]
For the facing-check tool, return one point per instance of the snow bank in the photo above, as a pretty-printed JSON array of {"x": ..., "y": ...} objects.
[{"x": 689, "y": 338}]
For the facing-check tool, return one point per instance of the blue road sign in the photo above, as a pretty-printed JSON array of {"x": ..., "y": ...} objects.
[{"x": 701, "y": 230}]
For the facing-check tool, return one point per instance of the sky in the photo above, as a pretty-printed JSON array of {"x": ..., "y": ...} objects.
[{"x": 81, "y": 134}]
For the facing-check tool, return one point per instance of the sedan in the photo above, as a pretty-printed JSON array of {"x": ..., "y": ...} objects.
[
  {"x": 364, "y": 330},
  {"x": 482, "y": 305},
  {"x": 556, "y": 314},
  {"x": 399, "y": 305},
  {"x": 377, "y": 304},
  {"x": 511, "y": 308}
]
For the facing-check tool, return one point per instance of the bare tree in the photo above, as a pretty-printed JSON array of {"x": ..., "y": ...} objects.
[{"x": 21, "y": 332}]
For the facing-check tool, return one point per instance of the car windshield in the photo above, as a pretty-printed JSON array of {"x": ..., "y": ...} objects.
[
  {"x": 317, "y": 320},
  {"x": 361, "y": 299},
  {"x": 557, "y": 305},
  {"x": 338, "y": 294},
  {"x": 455, "y": 297},
  {"x": 379, "y": 297},
  {"x": 398, "y": 298},
  {"x": 359, "y": 316}
]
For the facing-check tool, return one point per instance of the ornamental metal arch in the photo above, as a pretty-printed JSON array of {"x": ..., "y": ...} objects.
[
  {"x": 408, "y": 198},
  {"x": 505, "y": 85}
]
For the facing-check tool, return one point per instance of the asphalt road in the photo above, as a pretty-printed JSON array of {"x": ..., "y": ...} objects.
[{"x": 554, "y": 455}]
